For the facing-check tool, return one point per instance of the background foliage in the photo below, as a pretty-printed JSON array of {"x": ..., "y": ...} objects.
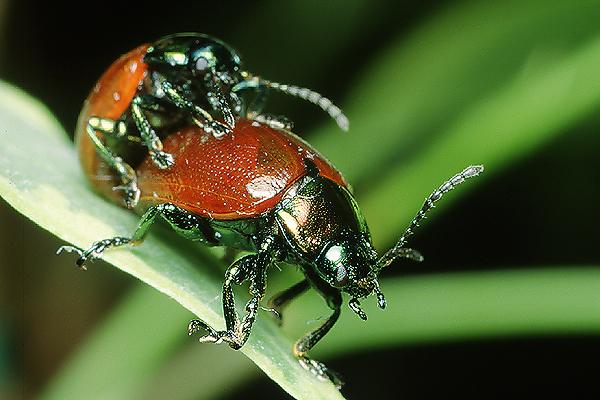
[{"x": 506, "y": 299}]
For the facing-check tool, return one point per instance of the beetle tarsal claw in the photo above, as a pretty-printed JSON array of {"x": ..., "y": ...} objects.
[
  {"x": 132, "y": 193},
  {"x": 212, "y": 335},
  {"x": 70, "y": 249},
  {"x": 162, "y": 160},
  {"x": 321, "y": 371},
  {"x": 217, "y": 129}
]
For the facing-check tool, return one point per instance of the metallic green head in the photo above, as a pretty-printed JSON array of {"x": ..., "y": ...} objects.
[{"x": 193, "y": 55}]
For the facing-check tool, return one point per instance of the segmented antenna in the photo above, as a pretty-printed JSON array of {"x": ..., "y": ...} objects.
[
  {"x": 312, "y": 97},
  {"x": 399, "y": 250}
]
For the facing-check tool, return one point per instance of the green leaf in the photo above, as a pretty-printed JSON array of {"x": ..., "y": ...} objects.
[
  {"x": 464, "y": 306},
  {"x": 416, "y": 87},
  {"x": 40, "y": 177},
  {"x": 135, "y": 339},
  {"x": 518, "y": 72},
  {"x": 479, "y": 83},
  {"x": 510, "y": 123}
]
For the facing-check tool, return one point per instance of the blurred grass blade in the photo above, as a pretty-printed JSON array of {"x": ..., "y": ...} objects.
[
  {"x": 424, "y": 309},
  {"x": 511, "y": 122},
  {"x": 138, "y": 340},
  {"x": 462, "y": 306},
  {"x": 40, "y": 177},
  {"x": 126, "y": 349},
  {"x": 178, "y": 379},
  {"x": 419, "y": 84}
]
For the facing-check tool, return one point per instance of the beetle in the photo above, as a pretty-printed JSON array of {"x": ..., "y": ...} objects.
[
  {"x": 266, "y": 191},
  {"x": 177, "y": 80}
]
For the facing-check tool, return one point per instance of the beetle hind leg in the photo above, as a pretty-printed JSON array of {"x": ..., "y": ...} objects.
[
  {"x": 95, "y": 250},
  {"x": 160, "y": 158},
  {"x": 322, "y": 371},
  {"x": 301, "y": 348},
  {"x": 124, "y": 171},
  {"x": 178, "y": 218}
]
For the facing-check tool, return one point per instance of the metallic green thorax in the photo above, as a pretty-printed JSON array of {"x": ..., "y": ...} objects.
[{"x": 324, "y": 229}]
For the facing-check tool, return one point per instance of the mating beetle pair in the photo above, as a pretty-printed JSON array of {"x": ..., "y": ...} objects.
[
  {"x": 233, "y": 179},
  {"x": 173, "y": 82}
]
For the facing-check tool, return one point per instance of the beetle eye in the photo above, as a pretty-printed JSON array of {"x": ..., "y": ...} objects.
[
  {"x": 341, "y": 277},
  {"x": 201, "y": 64}
]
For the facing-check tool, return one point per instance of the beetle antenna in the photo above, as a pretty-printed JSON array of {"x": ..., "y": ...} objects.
[
  {"x": 296, "y": 91},
  {"x": 399, "y": 250},
  {"x": 314, "y": 98}
]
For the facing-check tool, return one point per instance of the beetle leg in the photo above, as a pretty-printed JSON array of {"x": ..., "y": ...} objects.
[
  {"x": 180, "y": 220},
  {"x": 278, "y": 302},
  {"x": 95, "y": 249},
  {"x": 253, "y": 268},
  {"x": 161, "y": 159},
  {"x": 217, "y": 99},
  {"x": 238, "y": 106},
  {"x": 237, "y": 332},
  {"x": 237, "y": 273},
  {"x": 200, "y": 116},
  {"x": 303, "y": 345},
  {"x": 258, "y": 102},
  {"x": 124, "y": 170}
]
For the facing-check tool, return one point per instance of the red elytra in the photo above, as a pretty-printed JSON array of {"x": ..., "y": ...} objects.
[
  {"x": 241, "y": 175},
  {"x": 110, "y": 98}
]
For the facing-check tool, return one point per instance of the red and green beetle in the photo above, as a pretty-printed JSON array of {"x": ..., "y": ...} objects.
[{"x": 258, "y": 188}]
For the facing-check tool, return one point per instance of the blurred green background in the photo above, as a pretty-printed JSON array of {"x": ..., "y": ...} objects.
[{"x": 429, "y": 87}]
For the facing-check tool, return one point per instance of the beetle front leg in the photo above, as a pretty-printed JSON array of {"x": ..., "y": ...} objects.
[
  {"x": 254, "y": 110},
  {"x": 124, "y": 171},
  {"x": 259, "y": 93},
  {"x": 217, "y": 98},
  {"x": 200, "y": 116},
  {"x": 253, "y": 268},
  {"x": 161, "y": 159},
  {"x": 302, "y": 346}
]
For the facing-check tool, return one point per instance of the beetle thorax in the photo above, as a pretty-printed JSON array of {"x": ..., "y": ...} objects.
[{"x": 325, "y": 231}]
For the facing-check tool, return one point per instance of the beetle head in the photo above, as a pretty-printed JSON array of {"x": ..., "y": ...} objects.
[
  {"x": 351, "y": 265},
  {"x": 194, "y": 55},
  {"x": 348, "y": 264}
]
